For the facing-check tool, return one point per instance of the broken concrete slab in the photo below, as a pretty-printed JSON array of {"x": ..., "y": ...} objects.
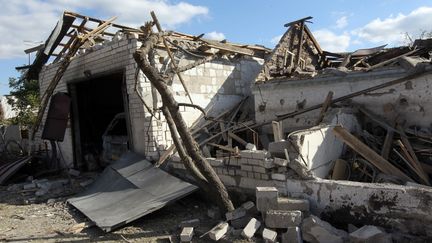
[
  {"x": 280, "y": 219},
  {"x": 370, "y": 234},
  {"x": 386, "y": 205},
  {"x": 269, "y": 235},
  {"x": 293, "y": 235},
  {"x": 186, "y": 234},
  {"x": 250, "y": 229},
  {"x": 217, "y": 232},
  {"x": 315, "y": 230}
]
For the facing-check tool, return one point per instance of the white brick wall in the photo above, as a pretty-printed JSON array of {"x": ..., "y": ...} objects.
[{"x": 218, "y": 84}]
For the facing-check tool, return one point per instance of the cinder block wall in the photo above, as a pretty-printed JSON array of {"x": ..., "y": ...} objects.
[{"x": 217, "y": 85}]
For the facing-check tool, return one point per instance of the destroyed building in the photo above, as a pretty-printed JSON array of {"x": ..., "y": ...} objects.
[{"x": 277, "y": 118}]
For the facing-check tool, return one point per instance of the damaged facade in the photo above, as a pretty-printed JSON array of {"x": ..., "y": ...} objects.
[{"x": 268, "y": 122}]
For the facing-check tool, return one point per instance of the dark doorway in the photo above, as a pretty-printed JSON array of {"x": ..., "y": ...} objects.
[{"x": 95, "y": 103}]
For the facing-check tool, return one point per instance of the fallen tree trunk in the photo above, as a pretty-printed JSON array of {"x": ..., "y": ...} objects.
[{"x": 216, "y": 186}]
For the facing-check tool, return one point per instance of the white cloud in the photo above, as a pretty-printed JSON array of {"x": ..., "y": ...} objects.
[
  {"x": 391, "y": 30},
  {"x": 342, "y": 22},
  {"x": 330, "y": 41},
  {"x": 275, "y": 39},
  {"x": 214, "y": 35},
  {"x": 34, "y": 19}
]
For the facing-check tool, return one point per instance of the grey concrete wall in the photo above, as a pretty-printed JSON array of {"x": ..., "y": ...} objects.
[
  {"x": 403, "y": 209},
  {"x": 412, "y": 100}
]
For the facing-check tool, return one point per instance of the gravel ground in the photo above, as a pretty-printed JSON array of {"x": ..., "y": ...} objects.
[{"x": 24, "y": 218}]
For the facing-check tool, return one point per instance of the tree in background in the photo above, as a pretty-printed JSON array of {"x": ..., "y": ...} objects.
[{"x": 24, "y": 99}]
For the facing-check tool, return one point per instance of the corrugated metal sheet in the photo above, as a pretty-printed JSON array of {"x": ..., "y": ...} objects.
[{"x": 128, "y": 190}]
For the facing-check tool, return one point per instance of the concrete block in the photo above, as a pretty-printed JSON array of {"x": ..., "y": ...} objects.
[
  {"x": 246, "y": 167},
  {"x": 293, "y": 235},
  {"x": 249, "y": 205},
  {"x": 235, "y": 214},
  {"x": 269, "y": 235},
  {"x": 215, "y": 162},
  {"x": 217, "y": 232},
  {"x": 276, "y": 149},
  {"x": 370, "y": 234},
  {"x": 315, "y": 230},
  {"x": 250, "y": 146},
  {"x": 278, "y": 176},
  {"x": 259, "y": 169},
  {"x": 280, "y": 162},
  {"x": 190, "y": 223},
  {"x": 29, "y": 186},
  {"x": 266, "y": 197},
  {"x": 284, "y": 203},
  {"x": 267, "y": 163},
  {"x": 186, "y": 234},
  {"x": 250, "y": 229},
  {"x": 283, "y": 219}
]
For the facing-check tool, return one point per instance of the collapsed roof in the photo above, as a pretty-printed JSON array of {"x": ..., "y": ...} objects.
[
  {"x": 298, "y": 55},
  {"x": 73, "y": 26}
]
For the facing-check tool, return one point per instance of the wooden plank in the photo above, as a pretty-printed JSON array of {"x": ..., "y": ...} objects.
[
  {"x": 410, "y": 162},
  {"x": 232, "y": 150},
  {"x": 391, "y": 60},
  {"x": 237, "y": 138},
  {"x": 370, "y": 155},
  {"x": 277, "y": 133},
  {"x": 227, "y": 47},
  {"x": 325, "y": 107},
  {"x": 388, "y": 141},
  {"x": 410, "y": 149},
  {"x": 426, "y": 167}
]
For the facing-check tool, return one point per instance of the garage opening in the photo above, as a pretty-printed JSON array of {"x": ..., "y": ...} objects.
[{"x": 99, "y": 121}]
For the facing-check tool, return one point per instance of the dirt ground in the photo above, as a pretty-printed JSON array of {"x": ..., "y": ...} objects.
[{"x": 24, "y": 218}]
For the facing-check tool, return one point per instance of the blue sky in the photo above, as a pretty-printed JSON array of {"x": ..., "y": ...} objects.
[{"x": 339, "y": 25}]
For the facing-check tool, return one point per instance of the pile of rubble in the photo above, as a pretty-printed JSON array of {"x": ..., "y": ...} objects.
[{"x": 281, "y": 219}]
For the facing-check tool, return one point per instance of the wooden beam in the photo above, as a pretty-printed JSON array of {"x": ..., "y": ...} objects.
[
  {"x": 232, "y": 150},
  {"x": 370, "y": 155},
  {"x": 416, "y": 162},
  {"x": 391, "y": 60},
  {"x": 411, "y": 163},
  {"x": 325, "y": 107},
  {"x": 388, "y": 141},
  {"x": 237, "y": 138},
  {"x": 277, "y": 133}
]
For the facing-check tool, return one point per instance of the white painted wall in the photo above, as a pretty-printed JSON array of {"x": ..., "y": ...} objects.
[
  {"x": 319, "y": 146},
  {"x": 412, "y": 100}
]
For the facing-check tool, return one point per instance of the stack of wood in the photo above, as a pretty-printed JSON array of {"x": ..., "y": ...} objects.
[{"x": 387, "y": 151}]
